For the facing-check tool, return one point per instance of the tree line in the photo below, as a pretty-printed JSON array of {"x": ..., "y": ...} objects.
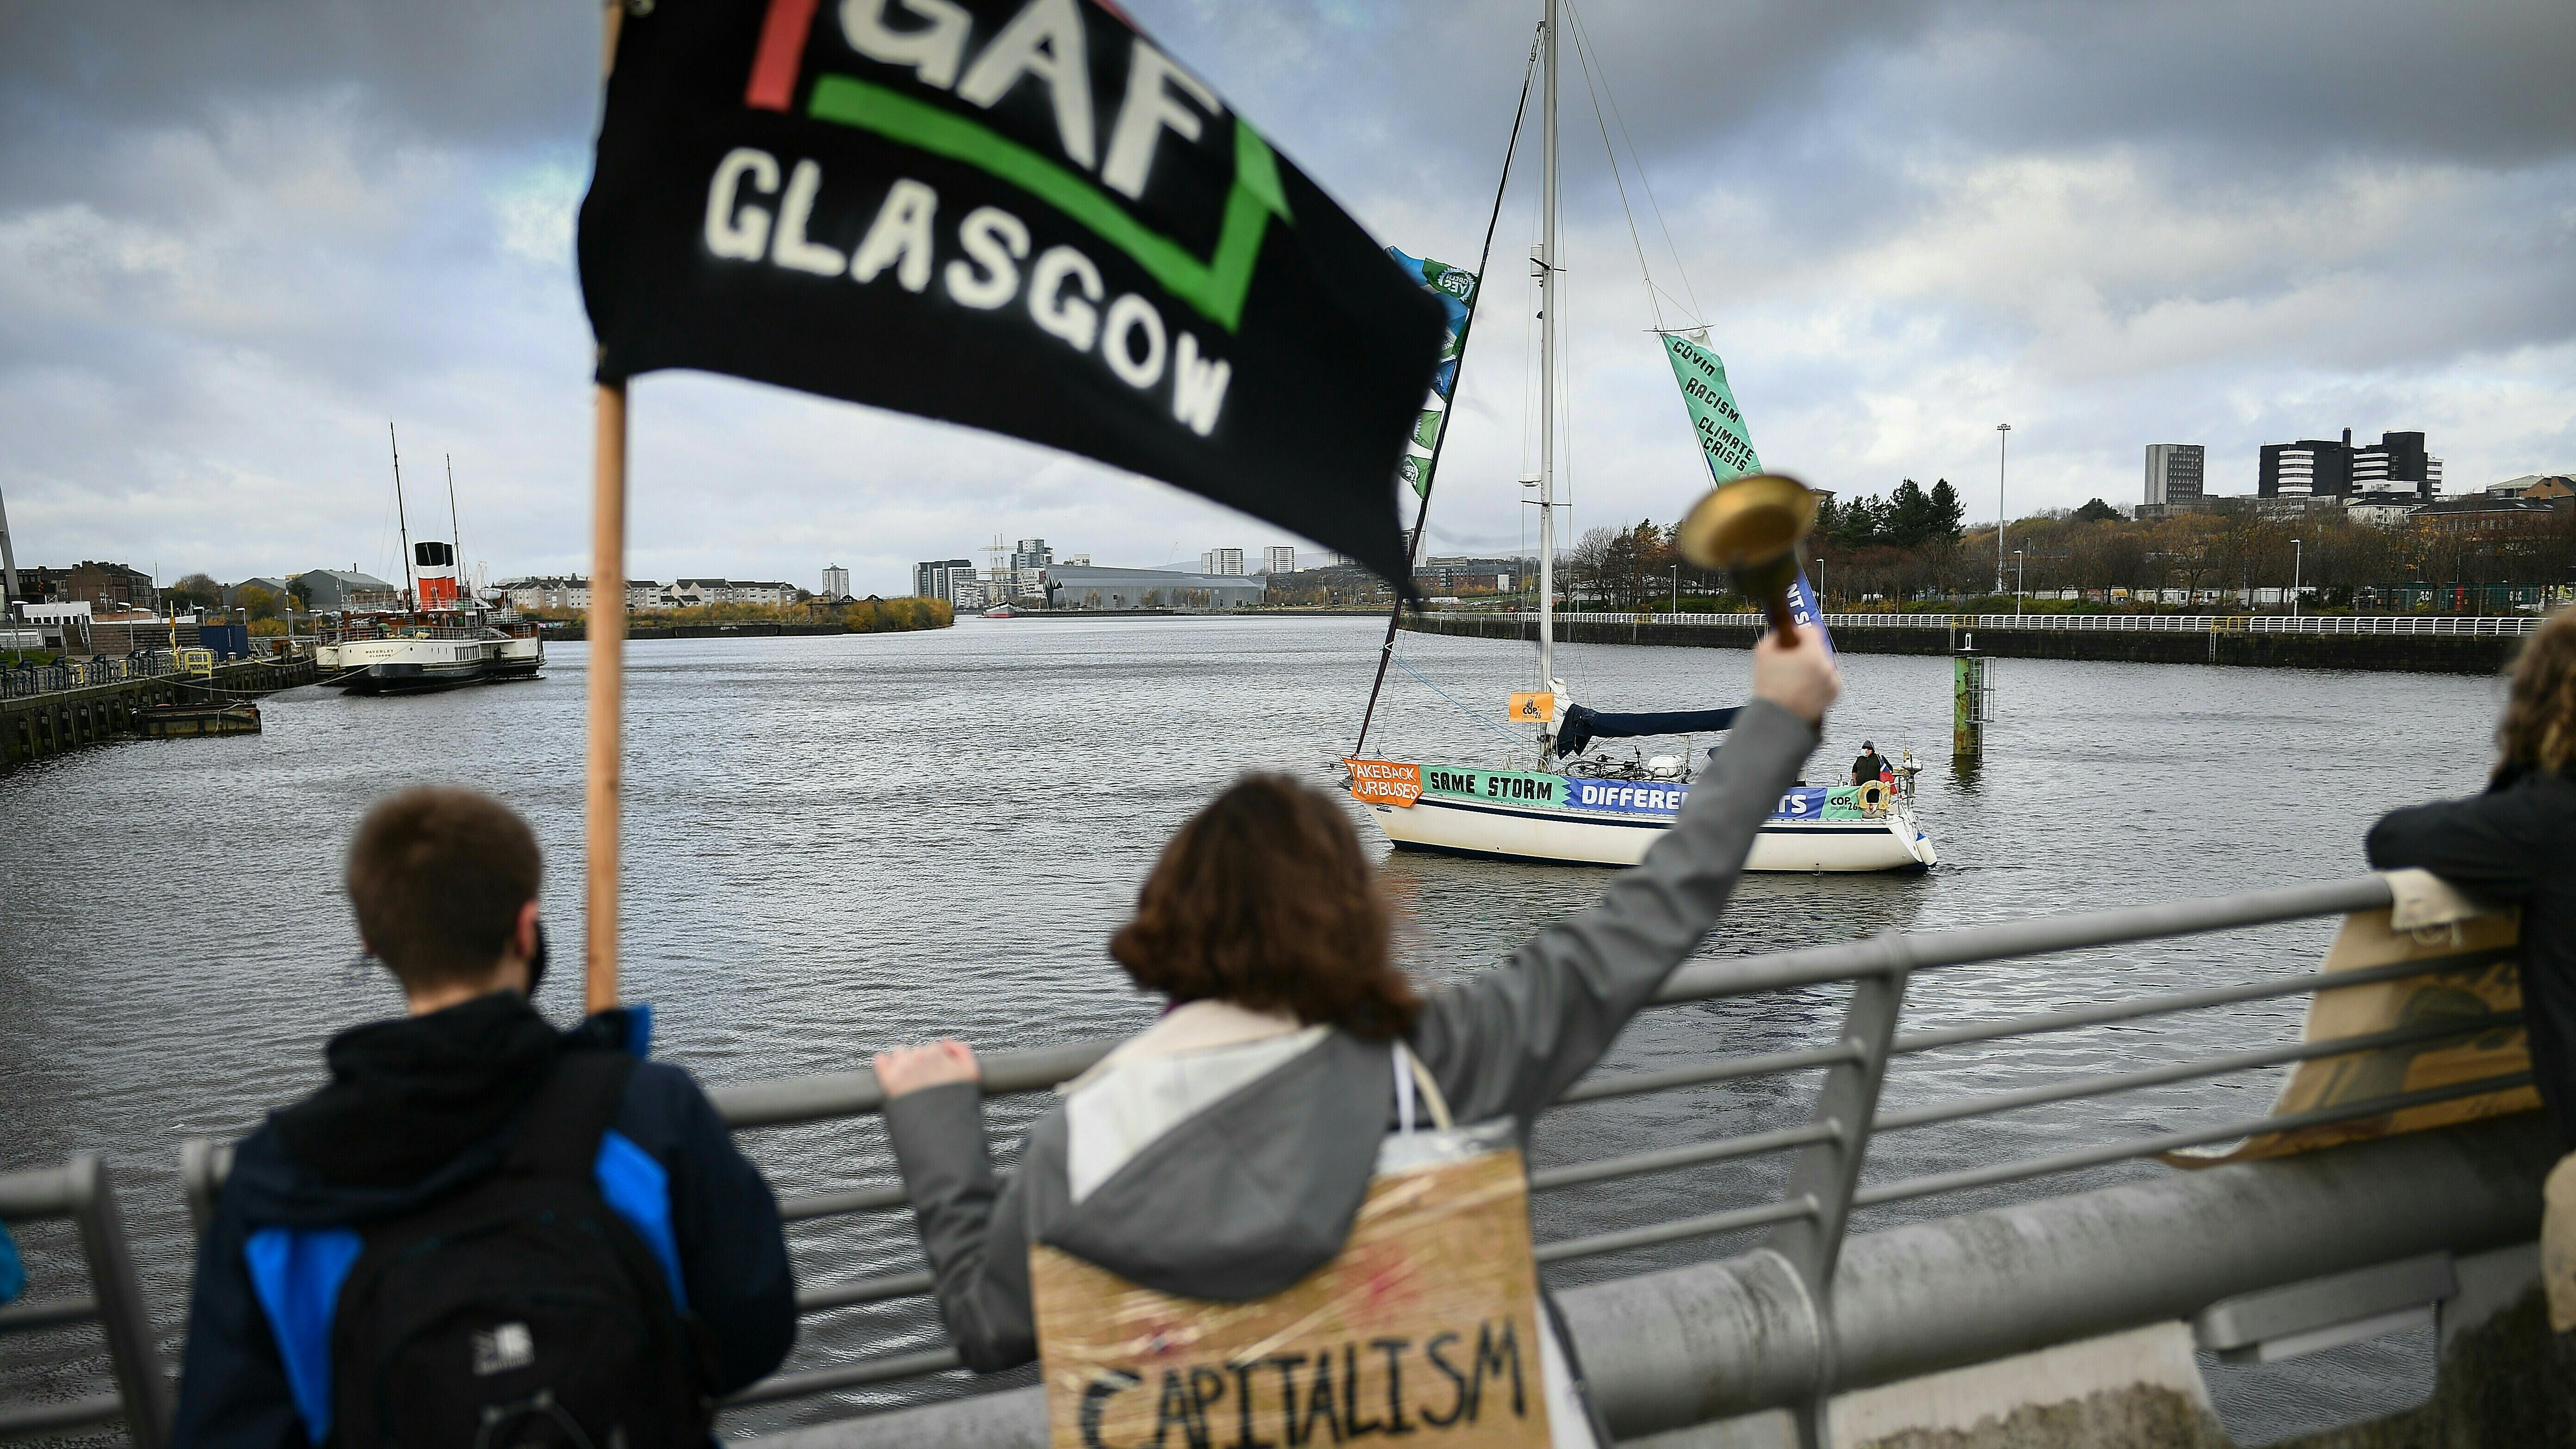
[{"x": 1912, "y": 547}]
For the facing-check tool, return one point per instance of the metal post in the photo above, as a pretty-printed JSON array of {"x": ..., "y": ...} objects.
[
  {"x": 1546, "y": 269},
  {"x": 130, "y": 1351},
  {"x": 8, "y": 563},
  {"x": 2003, "y": 435},
  {"x": 1968, "y": 706},
  {"x": 2294, "y": 577},
  {"x": 1826, "y": 1172}
]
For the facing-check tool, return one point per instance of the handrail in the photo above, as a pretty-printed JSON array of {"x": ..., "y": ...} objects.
[
  {"x": 2479, "y": 625},
  {"x": 80, "y": 1191},
  {"x": 1807, "y": 1222}
]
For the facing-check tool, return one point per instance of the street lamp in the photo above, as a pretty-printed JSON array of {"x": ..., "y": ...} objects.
[
  {"x": 2003, "y": 435},
  {"x": 1677, "y": 588},
  {"x": 2294, "y": 578},
  {"x": 2017, "y": 581}
]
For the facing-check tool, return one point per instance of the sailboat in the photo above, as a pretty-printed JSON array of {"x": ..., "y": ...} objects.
[{"x": 1560, "y": 800}]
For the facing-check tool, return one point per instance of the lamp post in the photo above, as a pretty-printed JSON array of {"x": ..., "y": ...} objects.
[
  {"x": 2294, "y": 577},
  {"x": 1677, "y": 588},
  {"x": 2003, "y": 435},
  {"x": 2017, "y": 582}
]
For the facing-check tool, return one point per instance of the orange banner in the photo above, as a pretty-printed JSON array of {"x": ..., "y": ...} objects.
[
  {"x": 1529, "y": 708},
  {"x": 1384, "y": 782}
]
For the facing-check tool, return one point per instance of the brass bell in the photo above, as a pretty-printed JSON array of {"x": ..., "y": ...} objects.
[{"x": 1751, "y": 527}]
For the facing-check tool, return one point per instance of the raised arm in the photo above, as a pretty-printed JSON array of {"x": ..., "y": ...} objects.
[
  {"x": 1512, "y": 1039},
  {"x": 974, "y": 1227}
]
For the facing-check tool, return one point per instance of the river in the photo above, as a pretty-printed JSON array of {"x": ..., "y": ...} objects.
[{"x": 837, "y": 844}]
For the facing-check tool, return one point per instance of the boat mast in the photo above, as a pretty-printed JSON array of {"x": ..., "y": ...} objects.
[
  {"x": 455, "y": 535},
  {"x": 1545, "y": 268},
  {"x": 403, "y": 522}
]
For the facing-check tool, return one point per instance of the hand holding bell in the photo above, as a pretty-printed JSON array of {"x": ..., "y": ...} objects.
[{"x": 1751, "y": 527}]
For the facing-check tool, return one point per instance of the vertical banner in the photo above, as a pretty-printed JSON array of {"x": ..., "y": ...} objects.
[
  {"x": 1727, "y": 448},
  {"x": 1020, "y": 215},
  {"x": 1455, "y": 287}
]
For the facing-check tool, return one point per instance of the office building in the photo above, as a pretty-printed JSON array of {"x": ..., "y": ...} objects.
[
  {"x": 1279, "y": 559},
  {"x": 836, "y": 582},
  {"x": 2328, "y": 468},
  {"x": 1221, "y": 561},
  {"x": 1031, "y": 553},
  {"x": 1084, "y": 587},
  {"x": 938, "y": 579},
  {"x": 2397, "y": 463},
  {"x": 2176, "y": 473}
]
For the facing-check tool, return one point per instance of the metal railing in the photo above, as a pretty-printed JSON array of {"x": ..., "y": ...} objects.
[
  {"x": 1807, "y": 1223},
  {"x": 79, "y": 1190},
  {"x": 2491, "y": 625},
  {"x": 35, "y": 679}
]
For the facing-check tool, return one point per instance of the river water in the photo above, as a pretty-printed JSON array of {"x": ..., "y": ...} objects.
[{"x": 838, "y": 844}]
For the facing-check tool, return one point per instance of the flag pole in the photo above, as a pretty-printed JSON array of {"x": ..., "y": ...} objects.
[{"x": 606, "y": 632}]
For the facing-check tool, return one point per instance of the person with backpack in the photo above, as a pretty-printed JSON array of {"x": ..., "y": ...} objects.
[
  {"x": 483, "y": 1229},
  {"x": 1224, "y": 1153}
]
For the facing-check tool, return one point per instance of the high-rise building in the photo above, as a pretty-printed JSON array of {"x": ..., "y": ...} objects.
[
  {"x": 2308, "y": 468},
  {"x": 2397, "y": 463},
  {"x": 1032, "y": 553},
  {"x": 2325, "y": 468},
  {"x": 1279, "y": 559},
  {"x": 938, "y": 578},
  {"x": 836, "y": 582},
  {"x": 2176, "y": 472},
  {"x": 1221, "y": 561}
]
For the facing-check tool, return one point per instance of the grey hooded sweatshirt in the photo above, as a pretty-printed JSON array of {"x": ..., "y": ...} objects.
[{"x": 1257, "y": 1190}]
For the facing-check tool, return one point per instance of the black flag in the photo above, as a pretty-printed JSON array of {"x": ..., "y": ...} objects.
[{"x": 1020, "y": 215}]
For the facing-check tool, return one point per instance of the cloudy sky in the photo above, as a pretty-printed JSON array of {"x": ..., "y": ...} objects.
[{"x": 237, "y": 239}]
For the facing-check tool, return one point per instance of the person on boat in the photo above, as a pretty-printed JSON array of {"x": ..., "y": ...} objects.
[
  {"x": 422, "y": 1115},
  {"x": 1223, "y": 1153},
  {"x": 1870, "y": 766},
  {"x": 2514, "y": 843}
]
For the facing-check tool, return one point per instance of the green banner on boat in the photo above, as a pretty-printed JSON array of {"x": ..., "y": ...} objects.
[
  {"x": 1493, "y": 785},
  {"x": 1714, "y": 415}
]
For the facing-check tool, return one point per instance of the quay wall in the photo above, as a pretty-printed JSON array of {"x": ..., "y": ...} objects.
[
  {"x": 38, "y": 725},
  {"x": 2402, "y": 653}
]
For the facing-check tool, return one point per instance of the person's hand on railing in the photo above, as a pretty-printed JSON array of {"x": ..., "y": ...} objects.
[
  {"x": 1792, "y": 670},
  {"x": 910, "y": 1069}
]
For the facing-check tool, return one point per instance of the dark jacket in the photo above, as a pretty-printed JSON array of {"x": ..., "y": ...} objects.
[
  {"x": 1259, "y": 1189},
  {"x": 2516, "y": 844},
  {"x": 415, "y": 1108},
  {"x": 1867, "y": 768}
]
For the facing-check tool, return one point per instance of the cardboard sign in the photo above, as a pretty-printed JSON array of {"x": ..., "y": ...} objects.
[
  {"x": 1533, "y": 707},
  {"x": 1425, "y": 1327},
  {"x": 1384, "y": 782},
  {"x": 1021, "y": 215},
  {"x": 2484, "y": 981}
]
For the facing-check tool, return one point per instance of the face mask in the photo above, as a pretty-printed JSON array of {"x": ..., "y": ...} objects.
[{"x": 537, "y": 963}]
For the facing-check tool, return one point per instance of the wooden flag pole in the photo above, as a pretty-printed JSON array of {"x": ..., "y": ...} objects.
[
  {"x": 607, "y": 635},
  {"x": 607, "y": 631}
]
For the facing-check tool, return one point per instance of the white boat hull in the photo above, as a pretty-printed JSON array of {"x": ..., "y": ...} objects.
[{"x": 1889, "y": 842}]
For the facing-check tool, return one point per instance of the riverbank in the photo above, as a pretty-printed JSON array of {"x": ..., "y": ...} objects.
[{"x": 2402, "y": 644}]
